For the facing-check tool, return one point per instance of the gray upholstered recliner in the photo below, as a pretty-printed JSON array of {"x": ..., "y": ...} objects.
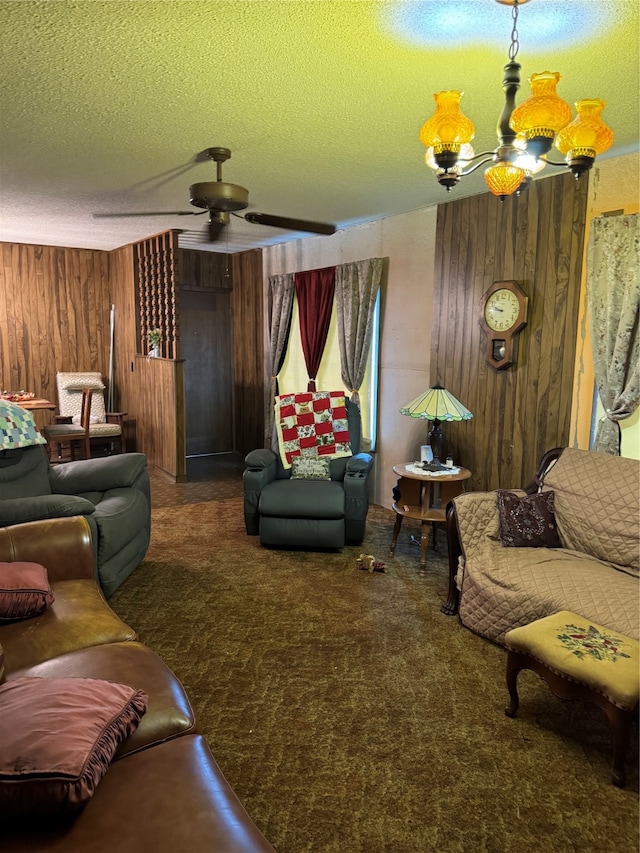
[
  {"x": 112, "y": 492},
  {"x": 293, "y": 513}
]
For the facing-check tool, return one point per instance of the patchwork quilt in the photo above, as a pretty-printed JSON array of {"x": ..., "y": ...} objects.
[
  {"x": 312, "y": 424},
  {"x": 17, "y": 427}
]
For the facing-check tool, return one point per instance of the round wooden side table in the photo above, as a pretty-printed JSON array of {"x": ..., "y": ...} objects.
[{"x": 424, "y": 495}]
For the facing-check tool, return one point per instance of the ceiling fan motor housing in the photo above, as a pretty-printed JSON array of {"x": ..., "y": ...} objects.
[{"x": 218, "y": 195}]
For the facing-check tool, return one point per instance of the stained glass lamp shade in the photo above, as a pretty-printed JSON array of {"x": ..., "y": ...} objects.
[{"x": 436, "y": 405}]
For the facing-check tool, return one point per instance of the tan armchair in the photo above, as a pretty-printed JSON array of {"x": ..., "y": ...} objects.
[{"x": 104, "y": 427}]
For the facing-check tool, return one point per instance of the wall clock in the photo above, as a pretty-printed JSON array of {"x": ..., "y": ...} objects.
[{"x": 503, "y": 315}]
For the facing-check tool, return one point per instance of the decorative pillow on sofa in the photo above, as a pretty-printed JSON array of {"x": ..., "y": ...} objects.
[
  {"x": 57, "y": 739},
  {"x": 527, "y": 521},
  {"x": 310, "y": 468},
  {"x": 24, "y": 590},
  {"x": 17, "y": 427}
]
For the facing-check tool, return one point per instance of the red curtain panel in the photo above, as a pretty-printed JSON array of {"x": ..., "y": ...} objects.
[{"x": 314, "y": 291}]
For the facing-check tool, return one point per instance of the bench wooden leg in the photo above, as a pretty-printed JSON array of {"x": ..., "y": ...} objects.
[
  {"x": 619, "y": 719},
  {"x": 514, "y": 665}
]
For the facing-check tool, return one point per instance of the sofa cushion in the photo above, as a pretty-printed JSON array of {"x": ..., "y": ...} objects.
[
  {"x": 57, "y": 740},
  {"x": 503, "y": 588},
  {"x": 24, "y": 473},
  {"x": 169, "y": 713},
  {"x": 78, "y": 618},
  {"x": 24, "y": 590},
  {"x": 527, "y": 521},
  {"x": 597, "y": 505},
  {"x": 39, "y": 507},
  {"x": 303, "y": 499},
  {"x": 192, "y": 809}
]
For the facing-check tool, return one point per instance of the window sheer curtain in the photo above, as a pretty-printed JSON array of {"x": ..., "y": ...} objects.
[
  {"x": 280, "y": 293},
  {"x": 357, "y": 287},
  {"x": 315, "y": 291},
  {"x": 613, "y": 298}
]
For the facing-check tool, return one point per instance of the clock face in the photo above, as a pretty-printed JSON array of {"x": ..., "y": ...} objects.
[{"x": 501, "y": 310}]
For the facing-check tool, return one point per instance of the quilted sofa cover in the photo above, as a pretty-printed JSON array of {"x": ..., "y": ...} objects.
[{"x": 595, "y": 573}]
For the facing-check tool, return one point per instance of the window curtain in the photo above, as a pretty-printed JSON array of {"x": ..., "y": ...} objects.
[
  {"x": 281, "y": 289},
  {"x": 357, "y": 287},
  {"x": 613, "y": 299},
  {"x": 315, "y": 291}
]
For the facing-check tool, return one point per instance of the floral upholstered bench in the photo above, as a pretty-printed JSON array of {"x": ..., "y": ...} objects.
[{"x": 580, "y": 660}]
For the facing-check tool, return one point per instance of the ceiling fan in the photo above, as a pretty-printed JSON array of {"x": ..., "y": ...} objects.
[{"x": 221, "y": 200}]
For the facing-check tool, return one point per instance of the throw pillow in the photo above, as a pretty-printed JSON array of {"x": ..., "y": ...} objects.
[
  {"x": 309, "y": 468},
  {"x": 78, "y": 381},
  {"x": 57, "y": 739},
  {"x": 24, "y": 590},
  {"x": 527, "y": 521},
  {"x": 17, "y": 427}
]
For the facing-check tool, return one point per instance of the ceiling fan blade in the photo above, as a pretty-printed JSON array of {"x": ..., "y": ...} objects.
[
  {"x": 291, "y": 224},
  {"x": 150, "y": 213}
]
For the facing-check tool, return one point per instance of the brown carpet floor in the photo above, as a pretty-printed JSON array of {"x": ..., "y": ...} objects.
[{"x": 348, "y": 713}]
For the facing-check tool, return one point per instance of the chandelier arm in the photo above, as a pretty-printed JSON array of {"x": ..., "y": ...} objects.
[
  {"x": 551, "y": 162},
  {"x": 487, "y": 159}
]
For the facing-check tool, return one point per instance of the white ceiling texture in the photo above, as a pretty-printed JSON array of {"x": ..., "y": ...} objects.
[{"x": 107, "y": 107}]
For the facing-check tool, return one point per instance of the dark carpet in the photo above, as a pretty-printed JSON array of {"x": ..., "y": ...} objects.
[{"x": 350, "y": 715}]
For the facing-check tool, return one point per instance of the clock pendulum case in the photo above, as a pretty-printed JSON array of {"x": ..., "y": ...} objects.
[{"x": 503, "y": 314}]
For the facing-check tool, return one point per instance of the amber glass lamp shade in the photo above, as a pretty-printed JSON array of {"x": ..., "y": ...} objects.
[
  {"x": 542, "y": 115},
  {"x": 504, "y": 179},
  {"x": 447, "y": 130},
  {"x": 586, "y": 136}
]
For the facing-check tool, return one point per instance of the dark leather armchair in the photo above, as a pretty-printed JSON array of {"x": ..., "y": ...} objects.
[{"x": 292, "y": 513}]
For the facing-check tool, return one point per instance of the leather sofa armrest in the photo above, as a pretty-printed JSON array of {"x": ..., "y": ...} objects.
[
  {"x": 260, "y": 458},
  {"x": 21, "y": 510},
  {"x": 98, "y": 475},
  {"x": 63, "y": 545},
  {"x": 262, "y": 467},
  {"x": 361, "y": 463}
]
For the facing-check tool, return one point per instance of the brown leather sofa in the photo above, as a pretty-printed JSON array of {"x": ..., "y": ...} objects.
[{"x": 163, "y": 792}]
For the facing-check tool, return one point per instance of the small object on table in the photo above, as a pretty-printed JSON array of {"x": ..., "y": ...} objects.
[
  {"x": 423, "y": 494},
  {"x": 17, "y": 396}
]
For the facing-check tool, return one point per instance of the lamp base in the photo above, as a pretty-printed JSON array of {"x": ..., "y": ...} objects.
[{"x": 436, "y": 441}]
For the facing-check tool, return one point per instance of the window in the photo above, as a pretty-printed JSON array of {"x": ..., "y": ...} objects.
[{"x": 293, "y": 376}]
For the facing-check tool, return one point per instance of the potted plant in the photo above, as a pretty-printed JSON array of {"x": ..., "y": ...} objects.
[{"x": 154, "y": 336}]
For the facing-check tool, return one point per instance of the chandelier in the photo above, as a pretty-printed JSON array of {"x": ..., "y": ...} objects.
[{"x": 525, "y": 133}]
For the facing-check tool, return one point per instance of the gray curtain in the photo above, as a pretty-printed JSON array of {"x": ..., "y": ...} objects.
[
  {"x": 280, "y": 293},
  {"x": 357, "y": 287},
  {"x": 613, "y": 298}
]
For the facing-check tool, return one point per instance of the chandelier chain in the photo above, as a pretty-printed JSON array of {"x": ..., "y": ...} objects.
[{"x": 515, "y": 44}]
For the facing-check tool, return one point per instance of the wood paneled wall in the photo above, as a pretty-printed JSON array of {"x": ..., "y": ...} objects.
[
  {"x": 520, "y": 412},
  {"x": 54, "y": 316},
  {"x": 248, "y": 350},
  {"x": 205, "y": 270}
]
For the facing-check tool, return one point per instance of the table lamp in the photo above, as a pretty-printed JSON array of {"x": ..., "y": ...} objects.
[{"x": 436, "y": 405}]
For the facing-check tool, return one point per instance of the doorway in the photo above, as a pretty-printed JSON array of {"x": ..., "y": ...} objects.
[{"x": 205, "y": 339}]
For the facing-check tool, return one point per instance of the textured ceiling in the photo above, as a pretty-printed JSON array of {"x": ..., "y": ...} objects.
[{"x": 107, "y": 106}]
